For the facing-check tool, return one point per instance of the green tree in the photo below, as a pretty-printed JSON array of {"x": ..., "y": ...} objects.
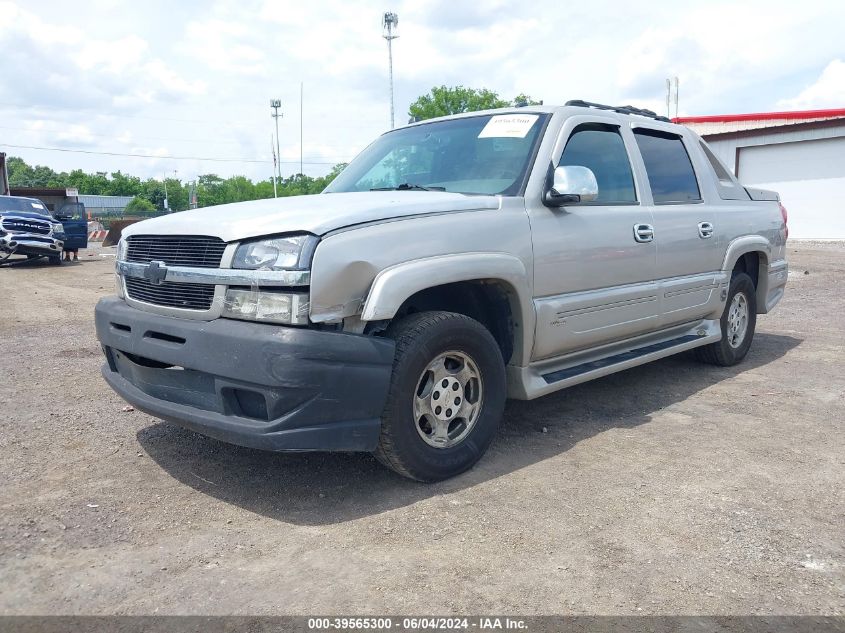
[
  {"x": 153, "y": 191},
  {"x": 523, "y": 99},
  {"x": 443, "y": 101},
  {"x": 140, "y": 205},
  {"x": 211, "y": 188},
  {"x": 20, "y": 174},
  {"x": 122, "y": 185},
  {"x": 23, "y": 175},
  {"x": 177, "y": 195}
]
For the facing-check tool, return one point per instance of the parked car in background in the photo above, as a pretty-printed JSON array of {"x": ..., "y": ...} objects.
[
  {"x": 455, "y": 262},
  {"x": 27, "y": 228}
]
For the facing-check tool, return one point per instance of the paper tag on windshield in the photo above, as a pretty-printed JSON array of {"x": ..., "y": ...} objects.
[
  {"x": 508, "y": 126},
  {"x": 35, "y": 205}
]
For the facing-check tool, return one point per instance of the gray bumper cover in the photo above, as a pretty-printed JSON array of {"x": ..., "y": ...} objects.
[{"x": 263, "y": 386}]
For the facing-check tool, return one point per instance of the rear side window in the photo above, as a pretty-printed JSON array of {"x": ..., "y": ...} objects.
[
  {"x": 601, "y": 149},
  {"x": 721, "y": 173},
  {"x": 668, "y": 166}
]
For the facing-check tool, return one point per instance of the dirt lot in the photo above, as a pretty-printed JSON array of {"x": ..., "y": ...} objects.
[{"x": 671, "y": 488}]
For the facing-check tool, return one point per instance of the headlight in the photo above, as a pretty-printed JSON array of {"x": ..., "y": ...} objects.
[
  {"x": 278, "y": 253},
  {"x": 290, "y": 308},
  {"x": 121, "y": 256},
  {"x": 121, "y": 249},
  {"x": 58, "y": 229}
]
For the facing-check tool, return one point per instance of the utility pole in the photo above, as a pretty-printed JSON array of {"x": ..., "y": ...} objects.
[
  {"x": 677, "y": 90},
  {"x": 192, "y": 196},
  {"x": 275, "y": 104},
  {"x": 4, "y": 176},
  {"x": 389, "y": 23},
  {"x": 670, "y": 84},
  {"x": 273, "y": 152},
  {"x": 166, "y": 197},
  {"x": 301, "y": 100}
]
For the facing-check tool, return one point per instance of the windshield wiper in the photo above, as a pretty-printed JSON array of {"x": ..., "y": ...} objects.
[{"x": 407, "y": 186}]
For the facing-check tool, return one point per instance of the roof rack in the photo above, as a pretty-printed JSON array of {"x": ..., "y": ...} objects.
[{"x": 620, "y": 109}]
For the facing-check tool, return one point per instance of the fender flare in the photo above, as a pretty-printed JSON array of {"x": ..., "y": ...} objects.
[
  {"x": 746, "y": 244},
  {"x": 393, "y": 285},
  {"x": 753, "y": 244}
]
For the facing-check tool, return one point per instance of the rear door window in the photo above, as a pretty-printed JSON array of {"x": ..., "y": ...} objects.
[{"x": 668, "y": 166}]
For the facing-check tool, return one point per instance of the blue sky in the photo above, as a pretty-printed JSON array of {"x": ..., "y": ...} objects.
[{"x": 193, "y": 79}]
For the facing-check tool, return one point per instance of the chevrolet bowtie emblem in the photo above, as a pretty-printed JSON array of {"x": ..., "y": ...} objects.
[{"x": 155, "y": 273}]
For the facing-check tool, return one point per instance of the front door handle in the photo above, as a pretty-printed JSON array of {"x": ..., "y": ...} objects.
[
  {"x": 643, "y": 232},
  {"x": 705, "y": 230}
]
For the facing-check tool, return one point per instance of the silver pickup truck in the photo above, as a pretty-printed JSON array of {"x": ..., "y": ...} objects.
[{"x": 453, "y": 264}]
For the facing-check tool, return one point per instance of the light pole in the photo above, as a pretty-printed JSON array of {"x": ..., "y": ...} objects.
[
  {"x": 166, "y": 197},
  {"x": 389, "y": 24},
  {"x": 273, "y": 151},
  {"x": 275, "y": 104}
]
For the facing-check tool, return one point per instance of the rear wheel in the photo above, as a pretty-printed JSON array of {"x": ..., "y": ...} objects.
[
  {"x": 447, "y": 395},
  {"x": 738, "y": 323}
]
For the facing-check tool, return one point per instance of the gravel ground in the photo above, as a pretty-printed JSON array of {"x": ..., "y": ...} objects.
[{"x": 673, "y": 488}]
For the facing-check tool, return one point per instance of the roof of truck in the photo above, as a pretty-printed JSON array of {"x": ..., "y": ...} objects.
[{"x": 587, "y": 106}]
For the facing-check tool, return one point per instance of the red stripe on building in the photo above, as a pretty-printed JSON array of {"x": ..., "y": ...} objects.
[{"x": 763, "y": 116}]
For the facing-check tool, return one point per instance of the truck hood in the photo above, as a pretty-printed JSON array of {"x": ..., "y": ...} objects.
[
  {"x": 28, "y": 215},
  {"x": 317, "y": 214}
]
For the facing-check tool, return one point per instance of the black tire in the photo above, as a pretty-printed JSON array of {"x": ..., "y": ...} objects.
[
  {"x": 420, "y": 339},
  {"x": 56, "y": 261},
  {"x": 724, "y": 353}
]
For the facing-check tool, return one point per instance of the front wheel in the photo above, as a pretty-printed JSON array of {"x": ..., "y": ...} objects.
[
  {"x": 738, "y": 322},
  {"x": 447, "y": 395}
]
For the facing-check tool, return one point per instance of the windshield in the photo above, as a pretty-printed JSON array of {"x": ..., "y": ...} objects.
[
  {"x": 9, "y": 203},
  {"x": 475, "y": 155}
]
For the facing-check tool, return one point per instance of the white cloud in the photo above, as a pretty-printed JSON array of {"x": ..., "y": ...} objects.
[
  {"x": 75, "y": 135},
  {"x": 113, "y": 56},
  {"x": 828, "y": 91},
  {"x": 193, "y": 78},
  {"x": 50, "y": 61},
  {"x": 223, "y": 46}
]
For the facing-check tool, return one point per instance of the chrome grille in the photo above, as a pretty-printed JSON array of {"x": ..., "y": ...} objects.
[
  {"x": 26, "y": 225},
  {"x": 170, "y": 294},
  {"x": 176, "y": 250}
]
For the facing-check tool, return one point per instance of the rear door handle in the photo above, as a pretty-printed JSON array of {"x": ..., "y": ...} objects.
[
  {"x": 705, "y": 230},
  {"x": 643, "y": 232}
]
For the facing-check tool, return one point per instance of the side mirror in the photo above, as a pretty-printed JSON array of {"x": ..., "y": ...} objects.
[{"x": 571, "y": 184}]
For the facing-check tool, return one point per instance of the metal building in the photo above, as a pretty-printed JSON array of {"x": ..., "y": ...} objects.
[
  {"x": 56, "y": 197},
  {"x": 101, "y": 206},
  {"x": 801, "y": 155}
]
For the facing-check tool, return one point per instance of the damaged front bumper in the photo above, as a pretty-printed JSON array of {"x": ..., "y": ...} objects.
[
  {"x": 263, "y": 386},
  {"x": 31, "y": 244}
]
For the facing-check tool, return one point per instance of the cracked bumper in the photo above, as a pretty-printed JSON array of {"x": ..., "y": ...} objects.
[{"x": 257, "y": 385}]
